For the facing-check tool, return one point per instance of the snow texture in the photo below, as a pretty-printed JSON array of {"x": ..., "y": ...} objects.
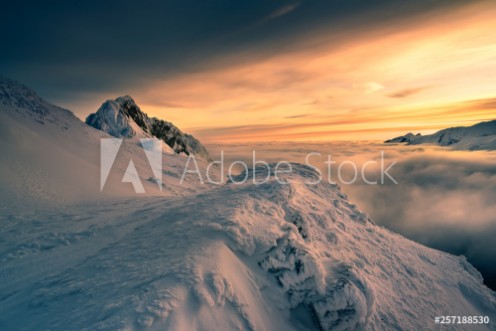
[{"x": 292, "y": 256}]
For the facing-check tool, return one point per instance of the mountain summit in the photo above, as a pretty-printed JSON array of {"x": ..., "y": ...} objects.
[{"x": 123, "y": 118}]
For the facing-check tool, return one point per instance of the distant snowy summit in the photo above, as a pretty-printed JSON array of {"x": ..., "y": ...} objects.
[
  {"x": 407, "y": 138},
  {"x": 123, "y": 118},
  {"x": 481, "y": 136}
]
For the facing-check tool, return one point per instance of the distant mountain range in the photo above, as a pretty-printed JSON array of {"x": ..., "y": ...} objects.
[{"x": 481, "y": 136}]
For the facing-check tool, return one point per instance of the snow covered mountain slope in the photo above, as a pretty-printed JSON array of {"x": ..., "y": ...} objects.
[
  {"x": 238, "y": 257},
  {"x": 293, "y": 256},
  {"x": 481, "y": 136},
  {"x": 123, "y": 118},
  {"x": 50, "y": 157}
]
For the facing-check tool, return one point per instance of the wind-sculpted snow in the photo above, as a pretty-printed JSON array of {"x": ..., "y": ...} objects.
[
  {"x": 282, "y": 255},
  {"x": 240, "y": 256}
]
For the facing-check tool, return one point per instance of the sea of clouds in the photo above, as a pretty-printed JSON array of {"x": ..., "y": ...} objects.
[{"x": 444, "y": 199}]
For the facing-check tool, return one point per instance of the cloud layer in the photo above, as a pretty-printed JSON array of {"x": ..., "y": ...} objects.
[
  {"x": 443, "y": 199},
  {"x": 407, "y": 92}
]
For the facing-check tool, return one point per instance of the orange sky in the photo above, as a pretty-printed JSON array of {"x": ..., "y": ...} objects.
[{"x": 421, "y": 76}]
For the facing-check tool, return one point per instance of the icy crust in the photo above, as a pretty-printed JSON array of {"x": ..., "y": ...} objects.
[
  {"x": 340, "y": 302},
  {"x": 237, "y": 257}
]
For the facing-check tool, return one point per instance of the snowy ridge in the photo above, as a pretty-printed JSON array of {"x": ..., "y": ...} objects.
[
  {"x": 249, "y": 256},
  {"x": 50, "y": 157},
  {"x": 18, "y": 96},
  {"x": 123, "y": 118},
  {"x": 481, "y": 136},
  {"x": 26, "y": 103}
]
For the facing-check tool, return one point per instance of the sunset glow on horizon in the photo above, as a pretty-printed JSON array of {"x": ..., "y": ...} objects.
[
  {"x": 423, "y": 76},
  {"x": 301, "y": 165},
  {"x": 346, "y": 79}
]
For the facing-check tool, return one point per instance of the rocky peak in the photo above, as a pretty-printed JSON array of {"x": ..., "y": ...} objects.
[{"x": 122, "y": 117}]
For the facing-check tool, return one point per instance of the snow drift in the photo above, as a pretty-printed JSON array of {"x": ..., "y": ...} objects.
[{"x": 294, "y": 256}]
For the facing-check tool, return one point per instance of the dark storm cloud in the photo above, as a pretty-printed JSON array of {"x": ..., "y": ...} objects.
[{"x": 63, "y": 48}]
